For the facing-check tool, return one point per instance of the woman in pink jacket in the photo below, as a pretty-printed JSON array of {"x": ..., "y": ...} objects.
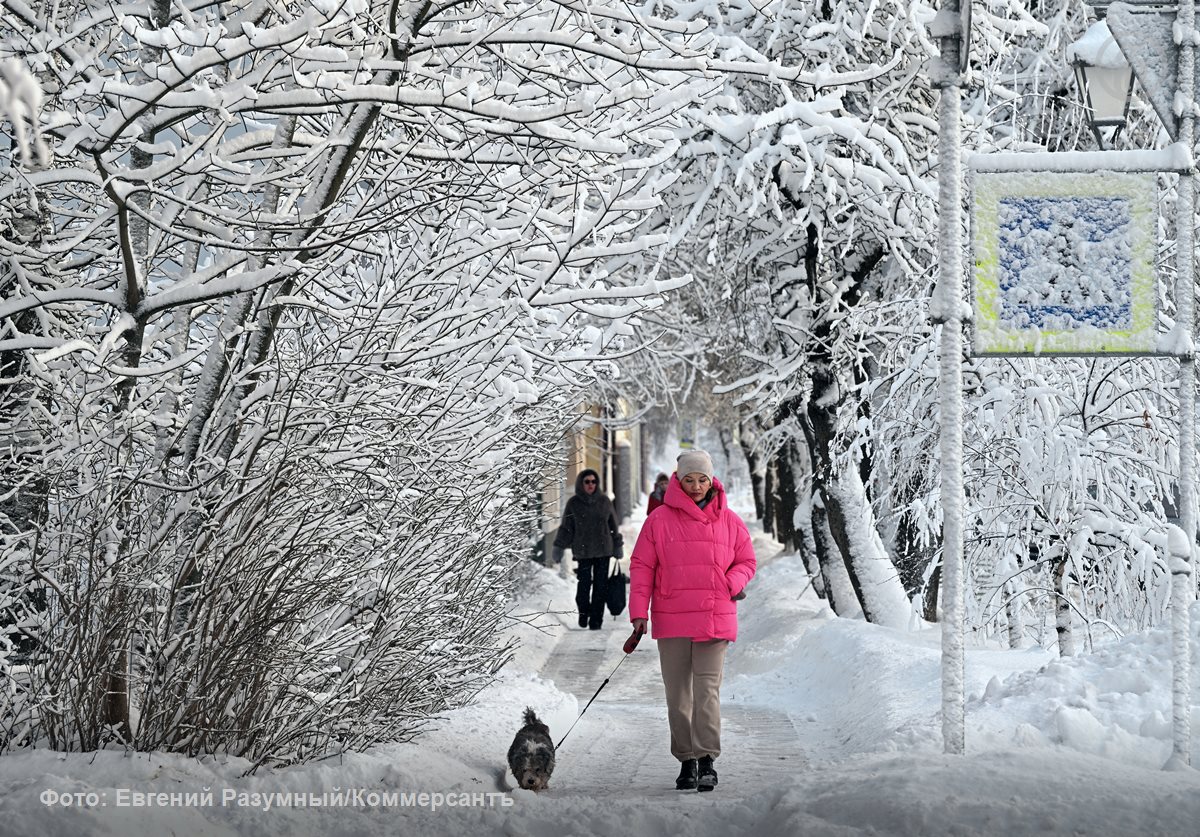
[{"x": 688, "y": 570}]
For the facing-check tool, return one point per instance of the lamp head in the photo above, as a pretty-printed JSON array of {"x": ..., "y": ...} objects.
[{"x": 1105, "y": 80}]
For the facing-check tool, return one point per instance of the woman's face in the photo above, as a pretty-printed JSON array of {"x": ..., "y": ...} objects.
[
  {"x": 661, "y": 485},
  {"x": 589, "y": 484},
  {"x": 696, "y": 485}
]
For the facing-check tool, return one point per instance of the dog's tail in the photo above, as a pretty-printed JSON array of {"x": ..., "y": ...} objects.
[{"x": 531, "y": 717}]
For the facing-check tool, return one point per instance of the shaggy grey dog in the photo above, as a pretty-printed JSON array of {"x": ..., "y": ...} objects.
[{"x": 531, "y": 756}]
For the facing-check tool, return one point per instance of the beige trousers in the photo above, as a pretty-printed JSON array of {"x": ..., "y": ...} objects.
[{"x": 691, "y": 673}]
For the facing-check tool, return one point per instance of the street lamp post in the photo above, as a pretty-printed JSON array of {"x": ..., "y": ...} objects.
[
  {"x": 1107, "y": 96},
  {"x": 1182, "y": 586},
  {"x": 950, "y": 27}
]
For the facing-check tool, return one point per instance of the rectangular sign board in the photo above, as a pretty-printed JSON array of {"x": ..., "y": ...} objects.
[{"x": 1063, "y": 263}]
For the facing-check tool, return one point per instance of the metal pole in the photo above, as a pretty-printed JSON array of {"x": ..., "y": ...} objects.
[
  {"x": 1182, "y": 585},
  {"x": 947, "y": 309},
  {"x": 1182, "y": 540}
]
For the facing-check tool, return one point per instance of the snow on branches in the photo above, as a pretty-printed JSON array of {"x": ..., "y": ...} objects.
[{"x": 297, "y": 332}]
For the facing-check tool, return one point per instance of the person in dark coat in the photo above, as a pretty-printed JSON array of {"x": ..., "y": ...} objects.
[
  {"x": 660, "y": 491},
  {"x": 589, "y": 529}
]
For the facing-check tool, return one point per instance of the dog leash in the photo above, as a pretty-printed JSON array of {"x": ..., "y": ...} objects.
[{"x": 630, "y": 645}]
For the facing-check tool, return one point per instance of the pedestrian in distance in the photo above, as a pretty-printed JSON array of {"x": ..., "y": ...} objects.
[
  {"x": 688, "y": 570},
  {"x": 589, "y": 529},
  {"x": 660, "y": 490}
]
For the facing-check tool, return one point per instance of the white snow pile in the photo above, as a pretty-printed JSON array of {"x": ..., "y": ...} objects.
[
  {"x": 1055, "y": 746},
  {"x": 1113, "y": 703}
]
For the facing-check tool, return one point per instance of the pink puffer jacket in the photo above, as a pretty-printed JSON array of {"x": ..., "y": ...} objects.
[{"x": 688, "y": 564}]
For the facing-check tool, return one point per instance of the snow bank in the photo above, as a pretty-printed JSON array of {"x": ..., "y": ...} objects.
[
  {"x": 1115, "y": 703},
  {"x": 877, "y": 689}
]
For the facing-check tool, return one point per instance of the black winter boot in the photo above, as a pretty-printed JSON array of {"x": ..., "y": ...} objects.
[
  {"x": 687, "y": 776},
  {"x": 583, "y": 620},
  {"x": 708, "y": 774}
]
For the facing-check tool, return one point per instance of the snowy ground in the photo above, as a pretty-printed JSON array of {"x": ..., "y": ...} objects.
[{"x": 830, "y": 728}]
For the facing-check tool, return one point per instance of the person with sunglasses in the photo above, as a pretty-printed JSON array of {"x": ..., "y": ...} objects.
[
  {"x": 589, "y": 529},
  {"x": 688, "y": 570}
]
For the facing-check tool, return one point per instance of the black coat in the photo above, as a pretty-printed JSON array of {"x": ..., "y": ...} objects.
[{"x": 589, "y": 525}]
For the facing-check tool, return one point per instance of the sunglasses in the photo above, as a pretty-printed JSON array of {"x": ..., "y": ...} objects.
[{"x": 589, "y": 482}]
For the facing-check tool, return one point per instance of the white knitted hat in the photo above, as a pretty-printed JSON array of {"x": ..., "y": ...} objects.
[{"x": 694, "y": 462}]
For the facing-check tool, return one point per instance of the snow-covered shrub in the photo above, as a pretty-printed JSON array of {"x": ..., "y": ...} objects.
[{"x": 340, "y": 586}]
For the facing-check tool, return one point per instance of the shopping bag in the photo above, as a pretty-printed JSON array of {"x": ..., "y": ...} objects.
[{"x": 618, "y": 585}]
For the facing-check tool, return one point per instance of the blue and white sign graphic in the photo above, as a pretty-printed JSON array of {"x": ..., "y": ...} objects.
[{"x": 1064, "y": 263}]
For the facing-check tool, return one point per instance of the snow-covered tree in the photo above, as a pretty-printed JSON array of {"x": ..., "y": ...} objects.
[
  {"x": 306, "y": 296},
  {"x": 796, "y": 202},
  {"x": 1068, "y": 465},
  {"x": 807, "y": 216}
]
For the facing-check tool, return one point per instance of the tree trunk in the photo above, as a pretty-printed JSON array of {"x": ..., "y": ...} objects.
[
  {"x": 912, "y": 557},
  {"x": 931, "y": 594},
  {"x": 785, "y": 531},
  {"x": 806, "y": 534},
  {"x": 872, "y": 574},
  {"x": 769, "y": 503},
  {"x": 842, "y": 598},
  {"x": 1012, "y": 608},
  {"x": 133, "y": 232},
  {"x": 116, "y": 691},
  {"x": 757, "y": 480},
  {"x": 1062, "y": 606},
  {"x": 725, "y": 435},
  {"x": 228, "y": 340},
  {"x": 851, "y": 519}
]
